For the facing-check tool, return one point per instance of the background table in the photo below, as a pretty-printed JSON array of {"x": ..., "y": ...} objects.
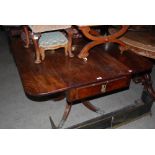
[{"x": 141, "y": 42}]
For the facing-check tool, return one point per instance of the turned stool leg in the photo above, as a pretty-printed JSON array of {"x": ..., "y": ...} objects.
[
  {"x": 70, "y": 37},
  {"x": 42, "y": 53},
  {"x": 26, "y": 31},
  {"x": 37, "y": 50},
  {"x": 66, "y": 49}
]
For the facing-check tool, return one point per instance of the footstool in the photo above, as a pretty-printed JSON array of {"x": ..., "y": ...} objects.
[{"x": 52, "y": 41}]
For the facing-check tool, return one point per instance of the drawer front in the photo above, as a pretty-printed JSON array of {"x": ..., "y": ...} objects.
[{"x": 97, "y": 89}]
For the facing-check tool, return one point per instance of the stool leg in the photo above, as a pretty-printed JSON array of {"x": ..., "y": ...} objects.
[
  {"x": 70, "y": 37},
  {"x": 66, "y": 49},
  {"x": 37, "y": 51},
  {"x": 42, "y": 53},
  {"x": 26, "y": 31}
]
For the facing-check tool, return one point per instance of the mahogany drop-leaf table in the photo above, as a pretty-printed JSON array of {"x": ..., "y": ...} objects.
[{"x": 104, "y": 72}]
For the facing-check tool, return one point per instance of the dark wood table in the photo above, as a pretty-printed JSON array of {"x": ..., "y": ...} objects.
[{"x": 78, "y": 80}]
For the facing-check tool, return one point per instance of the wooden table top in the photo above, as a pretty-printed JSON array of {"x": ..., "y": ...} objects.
[{"x": 59, "y": 73}]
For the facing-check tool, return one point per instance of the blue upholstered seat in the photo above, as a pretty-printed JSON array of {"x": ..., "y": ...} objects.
[{"x": 52, "y": 39}]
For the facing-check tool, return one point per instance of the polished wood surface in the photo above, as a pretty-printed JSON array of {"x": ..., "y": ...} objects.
[{"x": 59, "y": 73}]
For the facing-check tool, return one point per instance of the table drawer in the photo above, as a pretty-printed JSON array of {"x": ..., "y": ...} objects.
[{"x": 91, "y": 90}]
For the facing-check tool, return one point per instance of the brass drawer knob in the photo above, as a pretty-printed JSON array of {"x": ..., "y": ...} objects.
[{"x": 103, "y": 88}]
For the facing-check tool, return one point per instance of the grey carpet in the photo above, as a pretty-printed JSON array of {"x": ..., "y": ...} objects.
[{"x": 19, "y": 112}]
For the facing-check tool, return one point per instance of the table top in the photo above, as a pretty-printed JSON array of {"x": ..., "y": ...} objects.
[{"x": 59, "y": 73}]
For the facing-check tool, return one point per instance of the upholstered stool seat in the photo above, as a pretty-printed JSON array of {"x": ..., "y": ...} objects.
[{"x": 51, "y": 41}]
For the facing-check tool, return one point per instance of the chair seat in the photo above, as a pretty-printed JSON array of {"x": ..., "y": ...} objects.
[{"x": 52, "y": 39}]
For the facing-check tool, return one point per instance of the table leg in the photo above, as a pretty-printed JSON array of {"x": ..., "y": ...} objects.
[
  {"x": 93, "y": 108},
  {"x": 64, "y": 117},
  {"x": 147, "y": 82}
]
